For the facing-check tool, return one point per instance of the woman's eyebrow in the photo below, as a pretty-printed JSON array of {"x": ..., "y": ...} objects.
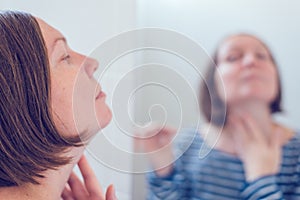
[
  {"x": 234, "y": 48},
  {"x": 262, "y": 49},
  {"x": 57, "y": 40}
]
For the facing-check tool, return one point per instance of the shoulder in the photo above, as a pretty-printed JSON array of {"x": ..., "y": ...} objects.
[
  {"x": 294, "y": 140},
  {"x": 291, "y": 149}
]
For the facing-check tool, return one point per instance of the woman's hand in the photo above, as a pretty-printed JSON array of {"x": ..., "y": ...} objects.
[
  {"x": 156, "y": 142},
  {"x": 90, "y": 189},
  {"x": 260, "y": 152}
]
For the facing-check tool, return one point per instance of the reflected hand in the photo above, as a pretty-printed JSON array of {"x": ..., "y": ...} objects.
[
  {"x": 90, "y": 189},
  {"x": 156, "y": 142},
  {"x": 260, "y": 153}
]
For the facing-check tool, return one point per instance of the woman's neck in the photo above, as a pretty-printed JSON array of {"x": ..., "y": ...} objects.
[
  {"x": 50, "y": 187},
  {"x": 260, "y": 112},
  {"x": 220, "y": 137}
]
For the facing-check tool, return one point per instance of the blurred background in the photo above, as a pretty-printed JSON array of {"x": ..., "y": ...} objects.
[{"x": 90, "y": 25}]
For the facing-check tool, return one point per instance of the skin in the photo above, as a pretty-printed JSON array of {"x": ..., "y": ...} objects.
[
  {"x": 75, "y": 105},
  {"x": 78, "y": 106},
  {"x": 246, "y": 70},
  {"x": 250, "y": 81},
  {"x": 158, "y": 147},
  {"x": 89, "y": 189}
]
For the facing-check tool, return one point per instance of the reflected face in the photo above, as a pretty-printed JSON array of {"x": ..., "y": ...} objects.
[
  {"x": 247, "y": 71},
  {"x": 78, "y": 103}
]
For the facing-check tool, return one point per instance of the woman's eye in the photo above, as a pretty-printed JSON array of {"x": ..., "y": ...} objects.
[
  {"x": 232, "y": 58},
  {"x": 66, "y": 58},
  {"x": 261, "y": 56}
]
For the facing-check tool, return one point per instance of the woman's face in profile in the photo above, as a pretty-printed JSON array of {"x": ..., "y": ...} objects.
[
  {"x": 246, "y": 71},
  {"x": 78, "y": 103}
]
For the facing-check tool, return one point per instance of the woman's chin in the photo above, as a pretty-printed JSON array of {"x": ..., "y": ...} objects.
[{"x": 103, "y": 121}]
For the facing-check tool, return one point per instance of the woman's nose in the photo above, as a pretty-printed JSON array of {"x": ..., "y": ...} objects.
[
  {"x": 249, "y": 60},
  {"x": 90, "y": 66}
]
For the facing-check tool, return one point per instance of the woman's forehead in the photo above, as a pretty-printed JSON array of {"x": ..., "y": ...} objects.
[
  {"x": 240, "y": 42},
  {"x": 50, "y": 34}
]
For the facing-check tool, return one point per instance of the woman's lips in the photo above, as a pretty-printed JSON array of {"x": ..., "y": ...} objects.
[{"x": 101, "y": 95}]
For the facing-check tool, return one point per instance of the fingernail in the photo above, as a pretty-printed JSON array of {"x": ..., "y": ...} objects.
[{"x": 114, "y": 192}]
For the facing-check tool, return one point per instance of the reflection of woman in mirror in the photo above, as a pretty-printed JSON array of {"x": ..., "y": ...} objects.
[{"x": 254, "y": 157}]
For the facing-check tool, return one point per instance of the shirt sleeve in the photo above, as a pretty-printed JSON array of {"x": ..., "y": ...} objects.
[
  {"x": 262, "y": 188},
  {"x": 170, "y": 187}
]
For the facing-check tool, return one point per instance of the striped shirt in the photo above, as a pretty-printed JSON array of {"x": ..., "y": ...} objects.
[{"x": 221, "y": 176}]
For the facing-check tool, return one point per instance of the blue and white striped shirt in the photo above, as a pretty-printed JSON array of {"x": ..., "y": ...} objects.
[{"x": 221, "y": 176}]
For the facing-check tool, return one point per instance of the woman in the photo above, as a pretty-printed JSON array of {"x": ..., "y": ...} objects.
[
  {"x": 252, "y": 156},
  {"x": 46, "y": 89}
]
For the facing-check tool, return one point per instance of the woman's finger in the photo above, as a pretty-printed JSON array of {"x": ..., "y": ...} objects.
[
  {"x": 154, "y": 138},
  {"x": 77, "y": 187},
  {"x": 67, "y": 194},
  {"x": 90, "y": 180},
  {"x": 110, "y": 193},
  {"x": 277, "y": 137}
]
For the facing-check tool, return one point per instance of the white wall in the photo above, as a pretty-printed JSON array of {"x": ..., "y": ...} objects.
[{"x": 86, "y": 25}]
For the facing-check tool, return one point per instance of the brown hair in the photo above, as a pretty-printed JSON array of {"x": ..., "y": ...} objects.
[
  {"x": 29, "y": 141},
  {"x": 213, "y": 108}
]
